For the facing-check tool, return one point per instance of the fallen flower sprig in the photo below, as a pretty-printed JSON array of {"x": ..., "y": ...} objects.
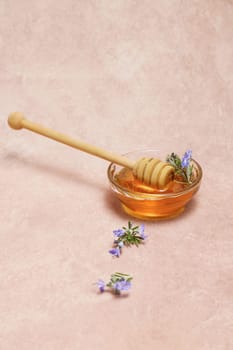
[
  {"x": 118, "y": 282},
  {"x": 183, "y": 169},
  {"x": 127, "y": 236}
]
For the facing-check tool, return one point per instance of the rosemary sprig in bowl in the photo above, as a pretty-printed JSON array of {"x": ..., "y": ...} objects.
[{"x": 183, "y": 167}]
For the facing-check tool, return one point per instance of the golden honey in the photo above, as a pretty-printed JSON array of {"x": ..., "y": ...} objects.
[{"x": 146, "y": 202}]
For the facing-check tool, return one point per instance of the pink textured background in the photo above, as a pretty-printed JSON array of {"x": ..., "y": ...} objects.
[{"x": 123, "y": 75}]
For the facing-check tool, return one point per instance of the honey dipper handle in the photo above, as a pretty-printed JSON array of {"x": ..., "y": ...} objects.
[{"x": 18, "y": 121}]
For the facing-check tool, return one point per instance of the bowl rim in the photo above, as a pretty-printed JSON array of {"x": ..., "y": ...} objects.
[{"x": 153, "y": 196}]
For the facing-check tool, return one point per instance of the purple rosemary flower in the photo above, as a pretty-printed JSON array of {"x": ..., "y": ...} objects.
[
  {"x": 122, "y": 285},
  {"x": 186, "y": 159},
  {"x": 118, "y": 233},
  {"x": 141, "y": 232},
  {"x": 115, "y": 252},
  {"x": 101, "y": 285}
]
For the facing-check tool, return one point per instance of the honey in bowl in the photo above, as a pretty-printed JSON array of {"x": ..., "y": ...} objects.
[
  {"x": 126, "y": 179},
  {"x": 147, "y": 202}
]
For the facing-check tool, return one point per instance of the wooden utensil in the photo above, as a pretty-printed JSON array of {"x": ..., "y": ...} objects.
[{"x": 151, "y": 171}]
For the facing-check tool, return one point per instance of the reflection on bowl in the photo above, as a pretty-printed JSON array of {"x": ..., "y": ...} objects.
[{"x": 145, "y": 202}]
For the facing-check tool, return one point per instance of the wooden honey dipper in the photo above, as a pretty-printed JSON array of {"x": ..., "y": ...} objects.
[{"x": 150, "y": 171}]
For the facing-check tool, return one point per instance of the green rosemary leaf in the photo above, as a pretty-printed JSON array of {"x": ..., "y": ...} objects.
[{"x": 189, "y": 171}]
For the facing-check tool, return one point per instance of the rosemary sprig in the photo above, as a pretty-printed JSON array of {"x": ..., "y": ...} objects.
[
  {"x": 118, "y": 282},
  {"x": 183, "y": 168},
  {"x": 127, "y": 236}
]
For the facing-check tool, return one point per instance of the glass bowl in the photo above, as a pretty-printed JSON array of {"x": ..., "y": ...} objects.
[{"x": 142, "y": 201}]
